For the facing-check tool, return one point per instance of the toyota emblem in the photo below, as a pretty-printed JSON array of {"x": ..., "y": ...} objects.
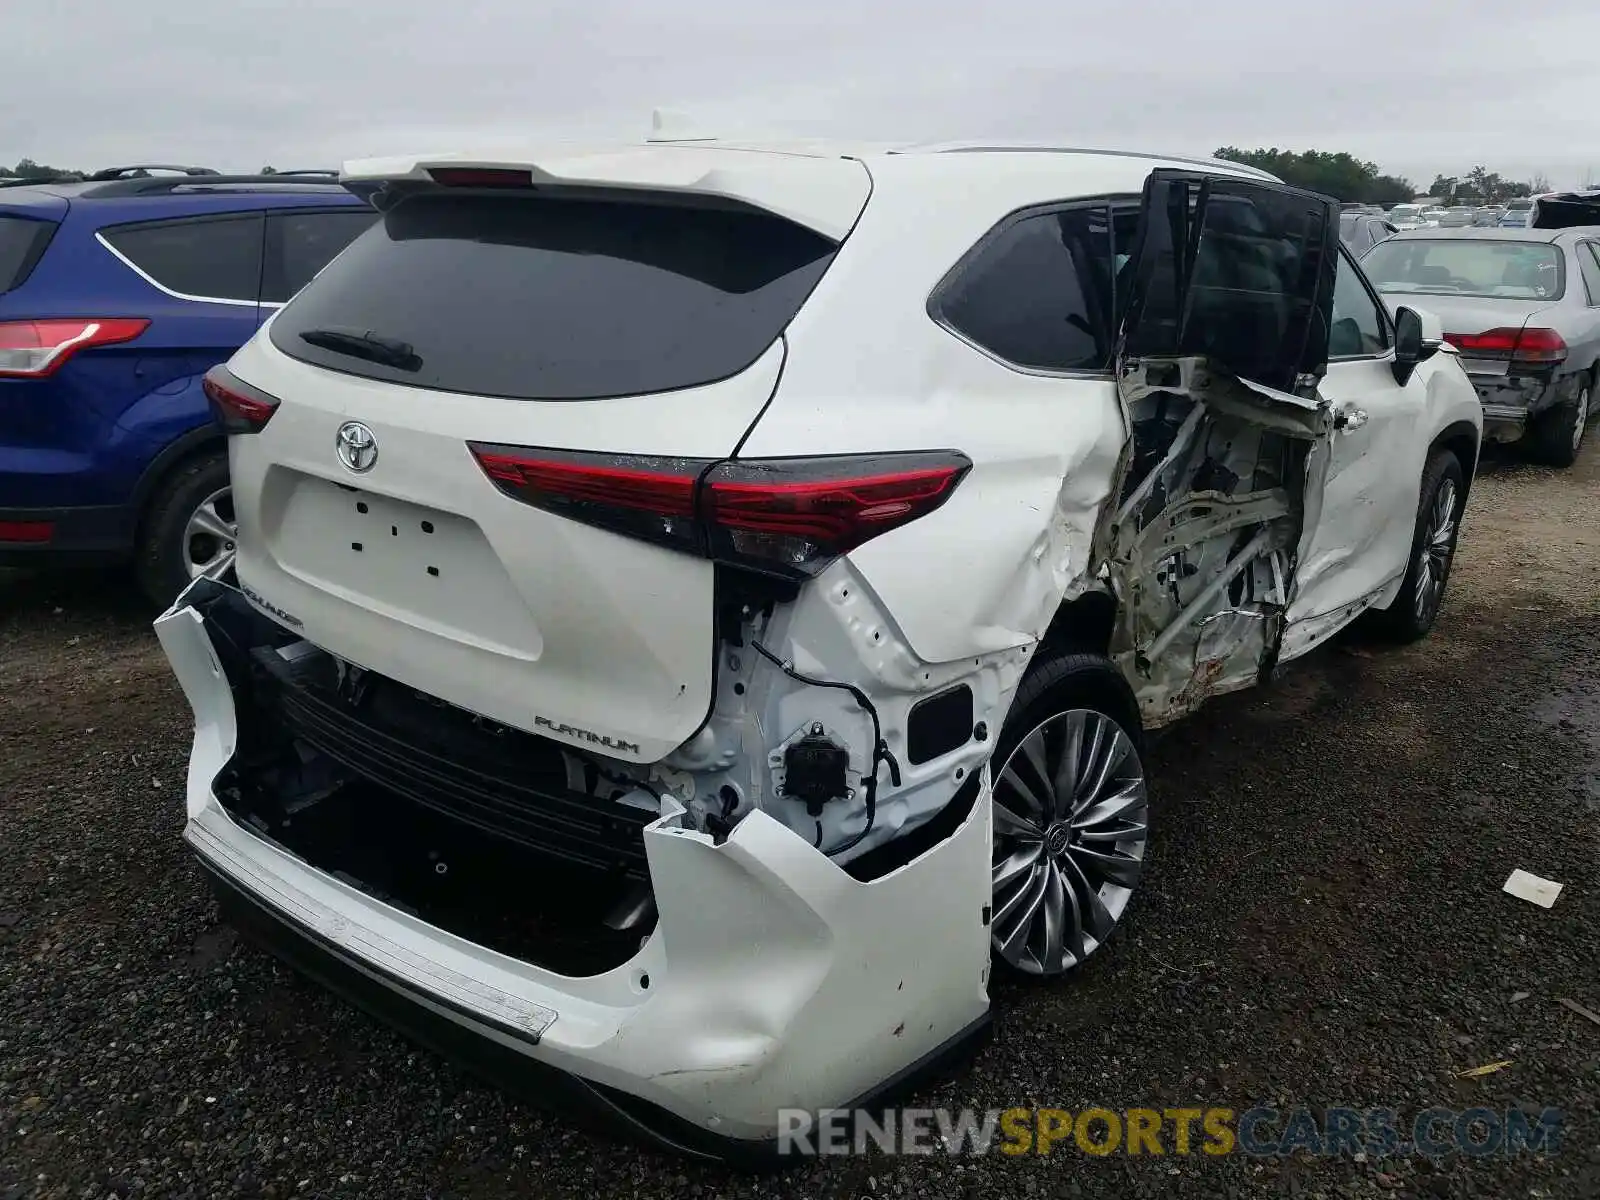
[{"x": 358, "y": 449}]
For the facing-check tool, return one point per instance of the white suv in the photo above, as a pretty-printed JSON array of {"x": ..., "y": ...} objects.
[{"x": 695, "y": 603}]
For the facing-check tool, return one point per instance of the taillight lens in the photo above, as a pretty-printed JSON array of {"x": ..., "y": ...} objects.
[
  {"x": 790, "y": 517},
  {"x": 35, "y": 349},
  {"x": 237, "y": 406},
  {"x": 795, "y": 516},
  {"x": 650, "y": 498},
  {"x": 1532, "y": 345}
]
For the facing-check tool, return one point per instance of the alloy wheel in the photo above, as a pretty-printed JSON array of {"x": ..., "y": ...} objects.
[
  {"x": 1583, "y": 418},
  {"x": 1437, "y": 549},
  {"x": 210, "y": 536},
  {"x": 1070, "y": 830}
]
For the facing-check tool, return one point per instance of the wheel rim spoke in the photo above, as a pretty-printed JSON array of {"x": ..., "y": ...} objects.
[
  {"x": 1070, "y": 830},
  {"x": 209, "y": 537},
  {"x": 1436, "y": 551},
  {"x": 1010, "y": 824}
]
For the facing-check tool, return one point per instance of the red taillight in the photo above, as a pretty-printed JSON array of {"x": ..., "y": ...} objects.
[
  {"x": 27, "y": 531},
  {"x": 237, "y": 406},
  {"x": 790, "y": 517},
  {"x": 797, "y": 515},
  {"x": 1534, "y": 344},
  {"x": 34, "y": 349},
  {"x": 1540, "y": 345},
  {"x": 651, "y": 498},
  {"x": 482, "y": 177}
]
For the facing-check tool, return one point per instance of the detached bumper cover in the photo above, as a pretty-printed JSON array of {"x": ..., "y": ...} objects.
[{"x": 773, "y": 979}]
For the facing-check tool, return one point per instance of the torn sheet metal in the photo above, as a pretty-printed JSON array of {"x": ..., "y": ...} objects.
[{"x": 1210, "y": 514}]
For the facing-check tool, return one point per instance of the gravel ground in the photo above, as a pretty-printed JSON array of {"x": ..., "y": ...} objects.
[{"x": 1322, "y": 924}]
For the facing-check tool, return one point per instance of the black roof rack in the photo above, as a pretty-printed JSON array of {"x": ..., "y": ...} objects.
[
  {"x": 144, "y": 168},
  {"x": 156, "y": 185},
  {"x": 11, "y": 181}
]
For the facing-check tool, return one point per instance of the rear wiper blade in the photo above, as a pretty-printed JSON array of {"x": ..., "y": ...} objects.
[{"x": 388, "y": 352}]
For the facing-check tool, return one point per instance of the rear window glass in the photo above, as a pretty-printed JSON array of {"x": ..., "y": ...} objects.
[
  {"x": 555, "y": 299},
  {"x": 1468, "y": 267},
  {"x": 210, "y": 258},
  {"x": 1036, "y": 292},
  {"x": 22, "y": 242}
]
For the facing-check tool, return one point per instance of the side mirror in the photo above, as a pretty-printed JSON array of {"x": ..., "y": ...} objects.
[{"x": 1418, "y": 335}]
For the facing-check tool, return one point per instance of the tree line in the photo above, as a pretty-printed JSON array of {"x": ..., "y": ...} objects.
[{"x": 1347, "y": 178}]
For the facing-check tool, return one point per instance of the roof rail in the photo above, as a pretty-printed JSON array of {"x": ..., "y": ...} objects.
[
  {"x": 329, "y": 171},
  {"x": 133, "y": 171},
  {"x": 11, "y": 181},
  {"x": 157, "y": 185}
]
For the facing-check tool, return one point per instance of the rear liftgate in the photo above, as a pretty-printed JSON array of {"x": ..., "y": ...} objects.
[{"x": 1224, "y": 341}]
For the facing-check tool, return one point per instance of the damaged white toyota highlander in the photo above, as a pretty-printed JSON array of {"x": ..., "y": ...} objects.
[{"x": 698, "y": 605}]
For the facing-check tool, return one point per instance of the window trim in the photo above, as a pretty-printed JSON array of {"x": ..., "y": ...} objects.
[
  {"x": 933, "y": 305},
  {"x": 258, "y": 215},
  {"x": 1593, "y": 247},
  {"x": 1385, "y": 320},
  {"x": 272, "y": 237},
  {"x": 42, "y": 237}
]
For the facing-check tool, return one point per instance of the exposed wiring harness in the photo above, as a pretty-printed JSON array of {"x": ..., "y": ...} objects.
[{"x": 880, "y": 748}]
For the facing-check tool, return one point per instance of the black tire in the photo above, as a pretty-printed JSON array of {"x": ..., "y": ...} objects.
[
  {"x": 1053, "y": 687},
  {"x": 1557, "y": 433},
  {"x": 162, "y": 554},
  {"x": 1412, "y": 614}
]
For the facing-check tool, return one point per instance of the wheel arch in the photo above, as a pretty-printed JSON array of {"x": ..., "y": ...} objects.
[
  {"x": 1461, "y": 439},
  {"x": 1084, "y": 623},
  {"x": 203, "y": 439}
]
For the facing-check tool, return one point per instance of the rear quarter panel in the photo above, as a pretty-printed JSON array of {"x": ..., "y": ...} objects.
[{"x": 869, "y": 369}]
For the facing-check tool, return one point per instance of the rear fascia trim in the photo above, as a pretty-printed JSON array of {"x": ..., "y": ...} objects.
[
  {"x": 369, "y": 951},
  {"x": 465, "y": 1043}
]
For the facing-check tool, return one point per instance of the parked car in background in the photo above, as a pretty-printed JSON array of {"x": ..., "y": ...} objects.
[
  {"x": 1361, "y": 231},
  {"x": 1523, "y": 308},
  {"x": 1458, "y": 217},
  {"x": 1406, "y": 216},
  {"x": 596, "y": 697},
  {"x": 1433, "y": 215},
  {"x": 1488, "y": 216},
  {"x": 1518, "y": 214},
  {"x": 117, "y": 294}
]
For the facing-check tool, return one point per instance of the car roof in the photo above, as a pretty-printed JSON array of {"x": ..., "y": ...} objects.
[
  {"x": 150, "y": 197},
  {"x": 819, "y": 183}
]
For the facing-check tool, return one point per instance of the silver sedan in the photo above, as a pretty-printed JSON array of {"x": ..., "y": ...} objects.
[{"x": 1523, "y": 308}]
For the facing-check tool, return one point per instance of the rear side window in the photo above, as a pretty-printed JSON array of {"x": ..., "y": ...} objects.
[
  {"x": 1038, "y": 292},
  {"x": 299, "y": 244},
  {"x": 206, "y": 258},
  {"x": 22, "y": 243},
  {"x": 536, "y": 298}
]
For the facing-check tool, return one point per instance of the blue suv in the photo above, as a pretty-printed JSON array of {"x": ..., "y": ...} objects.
[{"x": 117, "y": 293}]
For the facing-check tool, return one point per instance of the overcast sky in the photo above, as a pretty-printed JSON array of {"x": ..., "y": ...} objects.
[{"x": 1419, "y": 86}]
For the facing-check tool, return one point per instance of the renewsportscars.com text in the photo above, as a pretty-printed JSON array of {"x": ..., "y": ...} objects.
[{"x": 1215, "y": 1131}]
